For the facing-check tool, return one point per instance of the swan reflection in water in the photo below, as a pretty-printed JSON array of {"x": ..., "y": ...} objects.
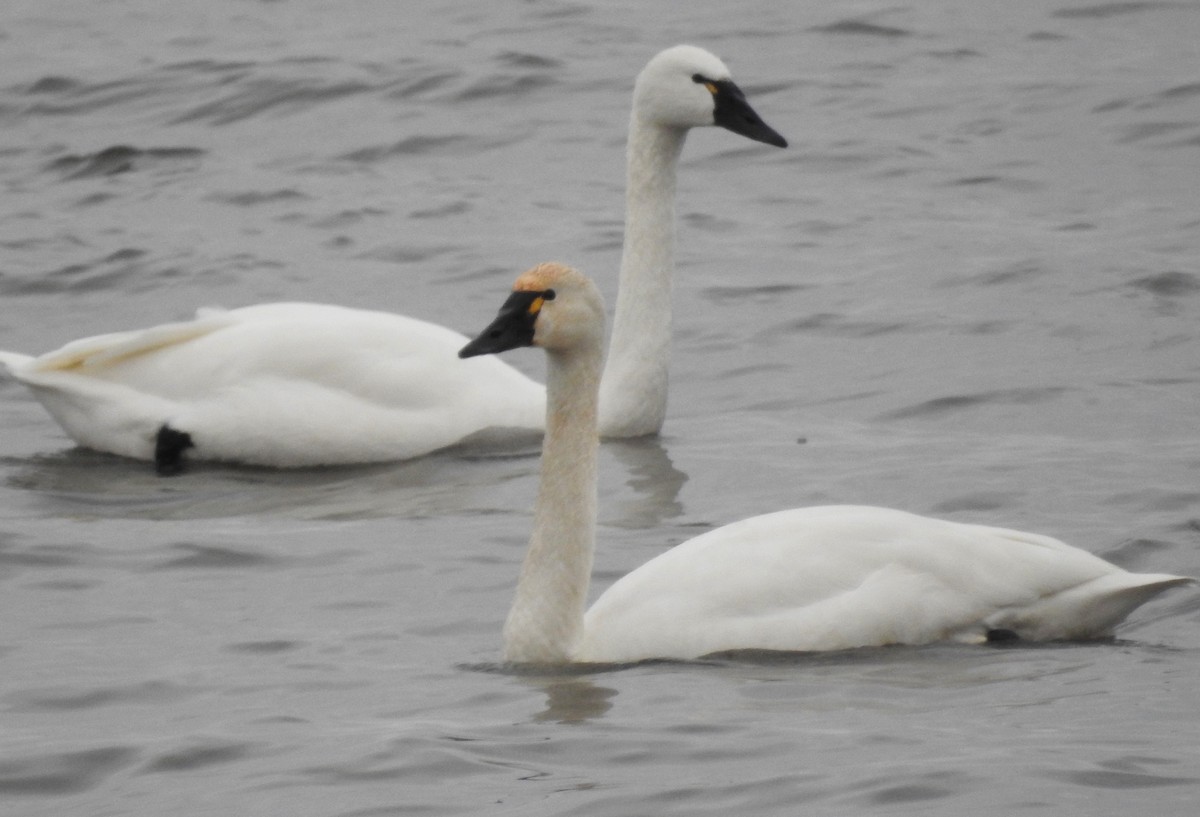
[{"x": 572, "y": 699}]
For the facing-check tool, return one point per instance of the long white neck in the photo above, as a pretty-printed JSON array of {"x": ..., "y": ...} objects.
[
  {"x": 633, "y": 392},
  {"x": 546, "y": 620}
]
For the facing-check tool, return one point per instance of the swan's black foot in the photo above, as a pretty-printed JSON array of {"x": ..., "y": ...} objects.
[
  {"x": 168, "y": 451},
  {"x": 1002, "y": 636}
]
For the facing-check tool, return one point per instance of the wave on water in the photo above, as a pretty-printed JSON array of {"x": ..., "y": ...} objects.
[
  {"x": 120, "y": 159},
  {"x": 63, "y": 773}
]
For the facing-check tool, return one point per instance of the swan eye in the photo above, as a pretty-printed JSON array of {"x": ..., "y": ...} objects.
[
  {"x": 707, "y": 83},
  {"x": 535, "y": 306}
]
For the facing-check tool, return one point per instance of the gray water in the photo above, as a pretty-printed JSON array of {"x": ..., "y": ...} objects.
[{"x": 969, "y": 288}]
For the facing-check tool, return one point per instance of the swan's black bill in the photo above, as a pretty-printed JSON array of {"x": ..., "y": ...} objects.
[
  {"x": 732, "y": 112},
  {"x": 512, "y": 328}
]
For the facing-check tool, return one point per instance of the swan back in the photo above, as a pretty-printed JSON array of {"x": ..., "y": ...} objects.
[{"x": 838, "y": 577}]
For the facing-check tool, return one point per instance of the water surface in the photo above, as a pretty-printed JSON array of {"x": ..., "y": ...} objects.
[{"x": 968, "y": 288}]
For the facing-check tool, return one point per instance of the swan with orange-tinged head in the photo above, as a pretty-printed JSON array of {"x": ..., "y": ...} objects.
[{"x": 820, "y": 578}]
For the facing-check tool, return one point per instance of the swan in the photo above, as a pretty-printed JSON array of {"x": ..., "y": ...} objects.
[
  {"x": 299, "y": 384},
  {"x": 809, "y": 579}
]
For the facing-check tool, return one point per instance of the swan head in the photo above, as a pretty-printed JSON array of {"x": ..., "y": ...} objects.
[
  {"x": 688, "y": 87},
  {"x": 552, "y": 306}
]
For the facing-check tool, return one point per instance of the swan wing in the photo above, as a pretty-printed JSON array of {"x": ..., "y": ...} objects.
[
  {"x": 286, "y": 384},
  {"x": 842, "y": 576}
]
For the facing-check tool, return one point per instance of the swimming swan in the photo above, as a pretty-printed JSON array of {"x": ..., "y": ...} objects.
[
  {"x": 821, "y": 578},
  {"x": 295, "y": 384}
]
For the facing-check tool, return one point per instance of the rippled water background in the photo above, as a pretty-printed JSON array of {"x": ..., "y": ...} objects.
[{"x": 969, "y": 288}]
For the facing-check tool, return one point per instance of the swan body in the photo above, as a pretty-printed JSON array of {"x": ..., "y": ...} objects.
[
  {"x": 835, "y": 577},
  {"x": 821, "y": 578},
  {"x": 288, "y": 385},
  {"x": 280, "y": 384}
]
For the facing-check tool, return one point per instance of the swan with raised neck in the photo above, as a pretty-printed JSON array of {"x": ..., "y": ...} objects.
[
  {"x": 561, "y": 311},
  {"x": 822, "y": 578},
  {"x": 294, "y": 384},
  {"x": 680, "y": 88}
]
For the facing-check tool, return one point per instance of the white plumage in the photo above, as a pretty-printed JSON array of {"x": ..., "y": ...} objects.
[
  {"x": 282, "y": 384},
  {"x": 834, "y": 577}
]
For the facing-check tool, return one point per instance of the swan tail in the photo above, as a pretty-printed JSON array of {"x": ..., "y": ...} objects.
[
  {"x": 106, "y": 350},
  {"x": 95, "y": 413},
  {"x": 14, "y": 361},
  {"x": 1089, "y": 610},
  {"x": 1124, "y": 600}
]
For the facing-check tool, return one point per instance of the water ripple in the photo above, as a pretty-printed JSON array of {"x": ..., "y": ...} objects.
[
  {"x": 939, "y": 406},
  {"x": 828, "y": 323},
  {"x": 60, "y": 700},
  {"x": 207, "y": 557},
  {"x": 118, "y": 159},
  {"x": 200, "y": 756},
  {"x": 127, "y": 267},
  {"x": 493, "y": 87},
  {"x": 1172, "y": 284},
  {"x": 862, "y": 28},
  {"x": 63, "y": 773},
  {"x": 270, "y": 95},
  {"x": 1108, "y": 779},
  {"x": 411, "y": 146},
  {"x": 1104, "y": 11}
]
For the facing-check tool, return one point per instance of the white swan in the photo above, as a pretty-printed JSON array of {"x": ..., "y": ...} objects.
[
  {"x": 293, "y": 384},
  {"x": 822, "y": 578}
]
